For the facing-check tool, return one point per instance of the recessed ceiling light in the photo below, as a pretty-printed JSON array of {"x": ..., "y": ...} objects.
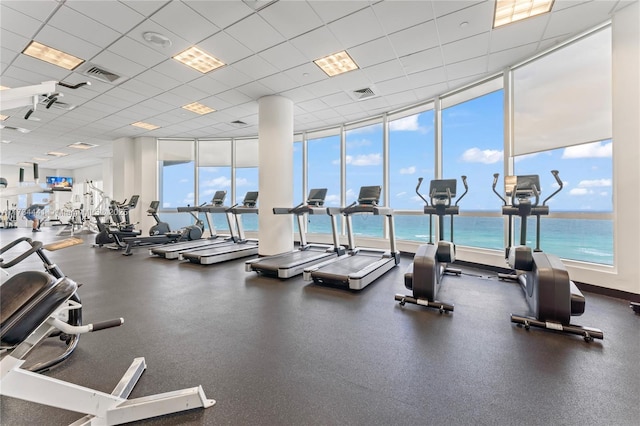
[
  {"x": 40, "y": 160},
  {"x": 4, "y": 88},
  {"x": 156, "y": 39},
  {"x": 198, "y": 108},
  {"x": 3, "y": 117},
  {"x": 199, "y": 60},
  {"x": 508, "y": 11},
  {"x": 25, "y": 163},
  {"x": 337, "y": 63},
  {"x": 6, "y": 141},
  {"x": 51, "y": 55},
  {"x": 82, "y": 145},
  {"x": 144, "y": 125},
  {"x": 57, "y": 154}
]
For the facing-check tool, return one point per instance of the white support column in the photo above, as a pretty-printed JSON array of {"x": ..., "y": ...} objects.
[{"x": 275, "y": 134}]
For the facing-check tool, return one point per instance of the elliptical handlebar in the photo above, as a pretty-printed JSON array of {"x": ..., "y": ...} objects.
[
  {"x": 556, "y": 175},
  {"x": 466, "y": 189},
  {"x": 493, "y": 186},
  {"x": 418, "y": 191}
]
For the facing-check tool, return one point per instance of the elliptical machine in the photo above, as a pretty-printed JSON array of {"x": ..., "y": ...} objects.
[
  {"x": 551, "y": 295},
  {"x": 424, "y": 274},
  {"x": 160, "y": 228}
]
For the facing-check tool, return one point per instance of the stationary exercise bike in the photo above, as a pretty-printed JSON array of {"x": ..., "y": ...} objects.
[
  {"x": 35, "y": 306},
  {"x": 160, "y": 228},
  {"x": 430, "y": 263},
  {"x": 551, "y": 295}
]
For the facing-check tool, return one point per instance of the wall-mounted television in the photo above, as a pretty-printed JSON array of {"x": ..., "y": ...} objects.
[{"x": 60, "y": 183}]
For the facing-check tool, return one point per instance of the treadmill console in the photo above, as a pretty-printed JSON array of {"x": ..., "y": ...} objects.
[
  {"x": 251, "y": 199},
  {"x": 369, "y": 195},
  {"x": 218, "y": 198},
  {"x": 316, "y": 197},
  {"x": 526, "y": 186}
]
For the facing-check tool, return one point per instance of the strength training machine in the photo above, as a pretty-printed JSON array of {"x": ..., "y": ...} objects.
[{"x": 37, "y": 305}]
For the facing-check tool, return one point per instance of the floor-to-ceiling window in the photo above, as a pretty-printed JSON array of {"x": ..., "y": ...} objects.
[
  {"x": 214, "y": 174},
  {"x": 364, "y": 167},
  {"x": 472, "y": 145},
  {"x": 411, "y": 156},
  {"x": 562, "y": 121},
  {"x": 176, "y": 162},
  {"x": 246, "y": 176},
  {"x": 323, "y": 171}
]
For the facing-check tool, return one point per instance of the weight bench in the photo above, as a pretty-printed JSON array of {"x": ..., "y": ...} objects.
[{"x": 32, "y": 305}]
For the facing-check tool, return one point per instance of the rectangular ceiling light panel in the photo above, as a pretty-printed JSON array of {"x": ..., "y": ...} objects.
[
  {"x": 51, "y": 55},
  {"x": 199, "y": 60},
  {"x": 337, "y": 63},
  {"x": 144, "y": 125},
  {"x": 508, "y": 11},
  {"x": 198, "y": 108}
]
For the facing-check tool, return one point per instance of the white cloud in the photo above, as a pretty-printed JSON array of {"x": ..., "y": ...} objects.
[
  {"x": 401, "y": 194},
  {"x": 332, "y": 200},
  {"x": 219, "y": 182},
  {"x": 580, "y": 191},
  {"x": 604, "y": 193},
  {"x": 405, "y": 124},
  {"x": 241, "y": 182},
  {"x": 486, "y": 156},
  {"x": 408, "y": 170},
  {"x": 590, "y": 150},
  {"x": 183, "y": 181},
  {"x": 594, "y": 183},
  {"x": 364, "y": 159},
  {"x": 355, "y": 143}
]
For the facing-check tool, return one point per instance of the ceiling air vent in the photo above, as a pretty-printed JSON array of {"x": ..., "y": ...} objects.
[
  {"x": 238, "y": 123},
  {"x": 100, "y": 73},
  {"x": 365, "y": 93}
]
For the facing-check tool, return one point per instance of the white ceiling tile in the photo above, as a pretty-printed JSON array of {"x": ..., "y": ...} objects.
[
  {"x": 384, "y": 71},
  {"x": 79, "y": 25},
  {"x": 234, "y": 97},
  {"x": 291, "y": 18},
  {"x": 317, "y": 44},
  {"x": 426, "y": 78},
  {"x": 38, "y": 9},
  {"x": 465, "y": 23},
  {"x": 312, "y": 105},
  {"x": 279, "y": 83},
  {"x": 468, "y": 68},
  {"x": 178, "y": 44},
  {"x": 68, "y": 43},
  {"x": 577, "y": 18},
  {"x": 138, "y": 52},
  {"x": 398, "y": 15},
  {"x": 208, "y": 85},
  {"x": 255, "y": 33},
  {"x": 399, "y": 84},
  {"x": 337, "y": 99},
  {"x": 146, "y": 7},
  {"x": 299, "y": 94},
  {"x": 140, "y": 87},
  {"x": 332, "y": 10},
  {"x": 230, "y": 76},
  {"x": 306, "y": 73},
  {"x": 18, "y": 23},
  {"x": 174, "y": 98},
  {"x": 255, "y": 67},
  {"x": 504, "y": 58},
  {"x": 467, "y": 48},
  {"x": 178, "y": 71},
  {"x": 421, "y": 61},
  {"x": 225, "y": 48},
  {"x": 117, "y": 64},
  {"x": 357, "y": 28},
  {"x": 23, "y": 64},
  {"x": 372, "y": 52},
  {"x": 181, "y": 19},
  {"x": 154, "y": 78},
  {"x": 221, "y": 13},
  {"x": 12, "y": 42},
  {"x": 110, "y": 13},
  {"x": 255, "y": 90},
  {"x": 400, "y": 99},
  {"x": 283, "y": 56},
  {"x": 415, "y": 39},
  {"x": 441, "y": 8},
  {"x": 525, "y": 32}
]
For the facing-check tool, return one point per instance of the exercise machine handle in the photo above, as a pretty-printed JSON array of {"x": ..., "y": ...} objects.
[
  {"x": 495, "y": 182},
  {"x": 97, "y": 326},
  {"x": 418, "y": 191},
  {"x": 74, "y": 86},
  {"x": 556, "y": 175},
  {"x": 35, "y": 247},
  {"x": 466, "y": 189}
]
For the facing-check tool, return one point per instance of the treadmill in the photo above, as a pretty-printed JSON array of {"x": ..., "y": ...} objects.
[
  {"x": 359, "y": 267},
  {"x": 237, "y": 247},
  {"x": 173, "y": 251},
  {"x": 287, "y": 265}
]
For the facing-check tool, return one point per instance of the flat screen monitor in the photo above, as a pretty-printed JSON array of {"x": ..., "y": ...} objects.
[
  {"x": 370, "y": 195},
  {"x": 57, "y": 182}
]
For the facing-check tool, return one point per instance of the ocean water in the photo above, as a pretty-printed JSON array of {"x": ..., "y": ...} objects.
[{"x": 584, "y": 240}]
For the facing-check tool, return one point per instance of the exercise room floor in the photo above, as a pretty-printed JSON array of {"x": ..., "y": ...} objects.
[{"x": 288, "y": 352}]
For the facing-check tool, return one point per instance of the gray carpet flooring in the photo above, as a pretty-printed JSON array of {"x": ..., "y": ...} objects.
[{"x": 288, "y": 352}]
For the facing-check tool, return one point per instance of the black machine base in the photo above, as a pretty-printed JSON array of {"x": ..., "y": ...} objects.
[
  {"x": 587, "y": 333},
  {"x": 635, "y": 306},
  {"x": 441, "y": 306}
]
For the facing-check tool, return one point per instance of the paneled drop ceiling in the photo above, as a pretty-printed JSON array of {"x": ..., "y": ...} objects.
[{"x": 407, "y": 51}]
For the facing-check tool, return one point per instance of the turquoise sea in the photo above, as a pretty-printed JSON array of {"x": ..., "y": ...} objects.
[{"x": 585, "y": 240}]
